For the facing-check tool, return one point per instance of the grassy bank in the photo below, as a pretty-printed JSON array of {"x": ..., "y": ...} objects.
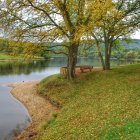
[
  {"x": 97, "y": 105},
  {"x": 6, "y": 57}
]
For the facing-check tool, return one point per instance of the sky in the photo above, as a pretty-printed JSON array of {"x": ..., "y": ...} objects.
[{"x": 136, "y": 35}]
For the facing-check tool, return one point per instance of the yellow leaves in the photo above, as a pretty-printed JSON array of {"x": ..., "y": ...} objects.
[
  {"x": 63, "y": 20},
  {"x": 79, "y": 32},
  {"x": 95, "y": 14},
  {"x": 30, "y": 48},
  {"x": 27, "y": 48},
  {"x": 72, "y": 5},
  {"x": 97, "y": 11},
  {"x": 45, "y": 6},
  {"x": 114, "y": 13},
  {"x": 108, "y": 4},
  {"x": 15, "y": 44},
  {"x": 42, "y": 35},
  {"x": 18, "y": 31}
]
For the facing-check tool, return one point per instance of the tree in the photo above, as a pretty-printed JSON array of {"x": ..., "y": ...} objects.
[
  {"x": 118, "y": 22},
  {"x": 118, "y": 50},
  {"x": 54, "y": 20},
  {"x": 4, "y": 47},
  {"x": 131, "y": 55}
]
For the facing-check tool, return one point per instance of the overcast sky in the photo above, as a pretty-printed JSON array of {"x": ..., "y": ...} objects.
[{"x": 136, "y": 35}]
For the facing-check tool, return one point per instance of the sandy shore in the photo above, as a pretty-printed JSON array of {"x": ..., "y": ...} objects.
[{"x": 39, "y": 108}]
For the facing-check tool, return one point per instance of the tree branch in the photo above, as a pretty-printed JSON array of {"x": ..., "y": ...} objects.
[
  {"x": 40, "y": 9},
  {"x": 57, "y": 52}
]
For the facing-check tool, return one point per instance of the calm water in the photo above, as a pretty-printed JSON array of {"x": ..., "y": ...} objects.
[{"x": 13, "y": 115}]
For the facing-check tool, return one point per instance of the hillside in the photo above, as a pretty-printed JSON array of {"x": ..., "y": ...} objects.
[{"x": 135, "y": 43}]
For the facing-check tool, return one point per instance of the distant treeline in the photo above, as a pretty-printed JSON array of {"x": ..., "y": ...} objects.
[
  {"x": 124, "y": 49},
  {"x": 21, "y": 48}
]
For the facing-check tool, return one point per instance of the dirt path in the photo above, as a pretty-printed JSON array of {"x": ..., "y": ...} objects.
[{"x": 39, "y": 108}]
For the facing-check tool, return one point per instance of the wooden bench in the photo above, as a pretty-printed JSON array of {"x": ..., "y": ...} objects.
[
  {"x": 82, "y": 68},
  {"x": 63, "y": 70}
]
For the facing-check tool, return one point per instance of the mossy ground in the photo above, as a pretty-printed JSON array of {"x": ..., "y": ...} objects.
[{"x": 95, "y": 106}]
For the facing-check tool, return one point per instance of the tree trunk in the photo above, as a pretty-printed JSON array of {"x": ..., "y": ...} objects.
[
  {"x": 72, "y": 60},
  {"x": 100, "y": 55},
  {"x": 102, "y": 60},
  {"x": 107, "y": 55},
  {"x": 99, "y": 50},
  {"x": 107, "y": 62}
]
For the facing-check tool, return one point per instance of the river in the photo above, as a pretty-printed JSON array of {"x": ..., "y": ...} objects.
[{"x": 14, "y": 116}]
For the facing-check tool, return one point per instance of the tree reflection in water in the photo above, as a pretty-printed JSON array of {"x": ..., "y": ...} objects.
[
  {"x": 18, "y": 67},
  {"x": 27, "y": 67},
  {"x": 18, "y": 129}
]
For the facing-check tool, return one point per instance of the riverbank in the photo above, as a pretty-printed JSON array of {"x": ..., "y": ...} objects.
[
  {"x": 6, "y": 57},
  {"x": 39, "y": 108},
  {"x": 96, "y": 105}
]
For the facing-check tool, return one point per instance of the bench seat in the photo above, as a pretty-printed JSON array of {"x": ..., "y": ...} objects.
[{"x": 82, "y": 68}]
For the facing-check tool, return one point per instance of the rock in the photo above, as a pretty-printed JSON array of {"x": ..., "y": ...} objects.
[{"x": 31, "y": 134}]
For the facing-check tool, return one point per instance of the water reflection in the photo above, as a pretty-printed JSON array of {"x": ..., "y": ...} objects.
[
  {"x": 20, "y": 67},
  {"x": 12, "y": 115},
  {"x": 17, "y": 130},
  {"x": 28, "y": 67}
]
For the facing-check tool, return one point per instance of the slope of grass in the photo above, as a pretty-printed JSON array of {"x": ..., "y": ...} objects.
[
  {"x": 98, "y": 105},
  {"x": 5, "y": 56}
]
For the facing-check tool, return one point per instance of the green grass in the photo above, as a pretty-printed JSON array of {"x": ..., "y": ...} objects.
[
  {"x": 5, "y": 57},
  {"x": 95, "y": 106}
]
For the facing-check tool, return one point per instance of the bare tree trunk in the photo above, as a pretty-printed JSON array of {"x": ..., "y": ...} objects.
[
  {"x": 102, "y": 60},
  {"x": 72, "y": 60},
  {"x": 100, "y": 56},
  {"x": 99, "y": 50},
  {"x": 107, "y": 55},
  {"x": 107, "y": 62}
]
